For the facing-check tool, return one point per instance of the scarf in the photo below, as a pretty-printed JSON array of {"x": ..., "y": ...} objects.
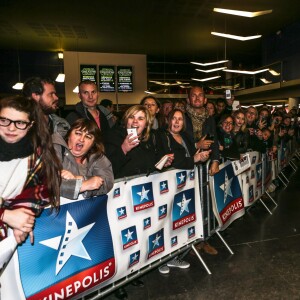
[
  {"x": 20, "y": 149},
  {"x": 197, "y": 120}
]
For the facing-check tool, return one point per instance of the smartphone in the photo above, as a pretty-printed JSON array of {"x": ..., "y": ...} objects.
[
  {"x": 132, "y": 131},
  {"x": 209, "y": 137},
  {"x": 228, "y": 94}
]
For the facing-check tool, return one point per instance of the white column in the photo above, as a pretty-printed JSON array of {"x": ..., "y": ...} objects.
[{"x": 293, "y": 102}]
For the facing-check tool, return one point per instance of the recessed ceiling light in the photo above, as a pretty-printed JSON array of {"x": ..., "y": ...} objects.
[
  {"x": 206, "y": 79},
  {"x": 211, "y": 70},
  {"x": 209, "y": 63},
  {"x": 243, "y": 13},
  {"x": 273, "y": 72},
  {"x": 236, "y": 37},
  {"x": 245, "y": 72},
  {"x": 265, "y": 81},
  {"x": 18, "y": 86}
]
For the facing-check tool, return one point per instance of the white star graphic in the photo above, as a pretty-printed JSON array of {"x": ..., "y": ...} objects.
[
  {"x": 163, "y": 209},
  {"x": 226, "y": 187},
  {"x": 163, "y": 186},
  {"x": 135, "y": 257},
  {"x": 129, "y": 235},
  {"x": 184, "y": 204},
  {"x": 174, "y": 240},
  {"x": 121, "y": 211},
  {"x": 259, "y": 172},
  {"x": 192, "y": 230},
  {"x": 156, "y": 241},
  {"x": 71, "y": 242},
  {"x": 147, "y": 221},
  {"x": 143, "y": 194},
  {"x": 181, "y": 177}
]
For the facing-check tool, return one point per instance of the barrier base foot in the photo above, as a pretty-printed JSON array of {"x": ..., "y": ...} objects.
[
  {"x": 266, "y": 207},
  {"x": 224, "y": 242},
  {"x": 201, "y": 260}
]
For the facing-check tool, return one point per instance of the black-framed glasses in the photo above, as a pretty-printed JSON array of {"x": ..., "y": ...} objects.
[{"x": 18, "y": 123}]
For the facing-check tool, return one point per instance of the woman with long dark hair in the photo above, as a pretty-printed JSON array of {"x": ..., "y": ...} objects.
[{"x": 29, "y": 167}]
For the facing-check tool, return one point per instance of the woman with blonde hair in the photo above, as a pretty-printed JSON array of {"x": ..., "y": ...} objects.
[{"x": 132, "y": 148}]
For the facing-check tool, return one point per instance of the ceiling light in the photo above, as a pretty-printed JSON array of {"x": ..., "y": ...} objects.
[
  {"x": 225, "y": 87},
  {"x": 76, "y": 90},
  {"x": 18, "y": 86},
  {"x": 211, "y": 70},
  {"x": 206, "y": 79},
  {"x": 210, "y": 63},
  {"x": 167, "y": 83},
  {"x": 242, "y": 13},
  {"x": 236, "y": 37},
  {"x": 265, "y": 81},
  {"x": 273, "y": 72},
  {"x": 245, "y": 72},
  {"x": 60, "y": 77},
  {"x": 150, "y": 93},
  {"x": 60, "y": 55}
]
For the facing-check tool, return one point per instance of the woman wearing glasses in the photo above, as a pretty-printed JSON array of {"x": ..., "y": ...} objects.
[
  {"x": 227, "y": 143},
  {"x": 29, "y": 178}
]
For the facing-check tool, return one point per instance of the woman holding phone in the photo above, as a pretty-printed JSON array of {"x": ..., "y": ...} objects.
[{"x": 132, "y": 148}]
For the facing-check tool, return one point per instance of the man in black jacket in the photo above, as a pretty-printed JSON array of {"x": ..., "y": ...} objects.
[{"x": 87, "y": 108}]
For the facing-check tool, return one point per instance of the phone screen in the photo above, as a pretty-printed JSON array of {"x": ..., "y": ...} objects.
[
  {"x": 228, "y": 94},
  {"x": 132, "y": 131}
]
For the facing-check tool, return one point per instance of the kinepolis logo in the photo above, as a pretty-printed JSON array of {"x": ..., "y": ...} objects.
[
  {"x": 142, "y": 196},
  {"x": 68, "y": 255},
  {"x": 183, "y": 211}
]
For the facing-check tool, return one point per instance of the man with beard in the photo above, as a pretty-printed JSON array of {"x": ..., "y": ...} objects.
[
  {"x": 201, "y": 128},
  {"x": 43, "y": 91}
]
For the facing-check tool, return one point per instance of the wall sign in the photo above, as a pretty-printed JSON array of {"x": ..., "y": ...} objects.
[
  {"x": 88, "y": 72},
  {"x": 107, "y": 79},
  {"x": 124, "y": 76}
]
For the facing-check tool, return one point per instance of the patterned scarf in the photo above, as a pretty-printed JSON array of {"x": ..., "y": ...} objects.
[{"x": 197, "y": 120}]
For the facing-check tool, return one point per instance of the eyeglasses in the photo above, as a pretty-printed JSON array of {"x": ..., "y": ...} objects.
[
  {"x": 149, "y": 105},
  {"x": 18, "y": 124},
  {"x": 227, "y": 123}
]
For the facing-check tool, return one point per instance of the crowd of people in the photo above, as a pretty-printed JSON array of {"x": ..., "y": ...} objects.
[{"x": 85, "y": 152}]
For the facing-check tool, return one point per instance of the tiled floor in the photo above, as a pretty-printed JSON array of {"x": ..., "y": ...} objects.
[{"x": 265, "y": 264}]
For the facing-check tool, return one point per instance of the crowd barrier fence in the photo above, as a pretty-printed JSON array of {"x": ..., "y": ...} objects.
[{"x": 94, "y": 246}]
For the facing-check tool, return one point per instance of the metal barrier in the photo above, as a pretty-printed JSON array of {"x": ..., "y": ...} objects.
[{"x": 208, "y": 221}]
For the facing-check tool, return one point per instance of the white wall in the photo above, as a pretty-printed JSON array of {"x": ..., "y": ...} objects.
[{"x": 73, "y": 60}]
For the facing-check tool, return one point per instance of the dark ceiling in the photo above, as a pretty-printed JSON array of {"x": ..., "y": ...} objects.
[{"x": 176, "y": 31}]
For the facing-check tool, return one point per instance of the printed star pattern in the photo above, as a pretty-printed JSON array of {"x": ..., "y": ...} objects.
[
  {"x": 184, "y": 204},
  {"x": 143, "y": 194},
  {"x": 156, "y": 241},
  {"x": 226, "y": 187},
  {"x": 71, "y": 242}
]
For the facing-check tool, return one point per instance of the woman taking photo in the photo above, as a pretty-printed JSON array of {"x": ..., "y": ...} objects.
[
  {"x": 173, "y": 140},
  {"x": 132, "y": 149},
  {"x": 86, "y": 170},
  {"x": 29, "y": 178},
  {"x": 241, "y": 135}
]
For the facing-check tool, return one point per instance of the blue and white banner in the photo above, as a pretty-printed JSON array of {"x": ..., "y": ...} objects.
[
  {"x": 251, "y": 190},
  {"x": 227, "y": 198},
  {"x": 93, "y": 242}
]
